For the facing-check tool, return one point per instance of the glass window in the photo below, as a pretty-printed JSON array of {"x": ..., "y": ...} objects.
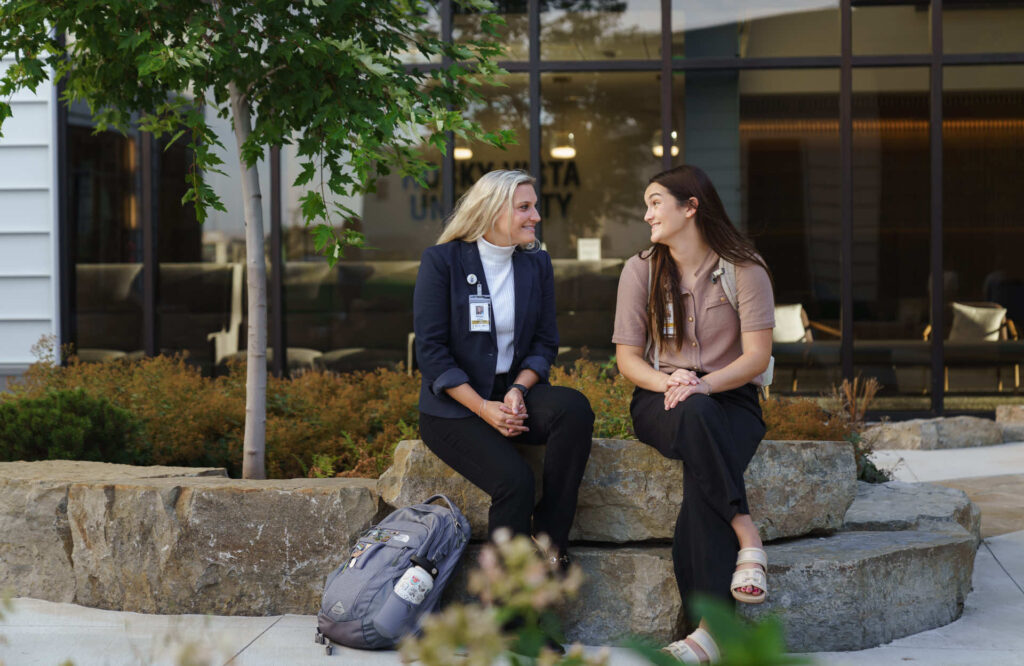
[
  {"x": 748, "y": 29},
  {"x": 357, "y": 315},
  {"x": 599, "y": 136},
  {"x": 602, "y": 30},
  {"x": 769, "y": 140},
  {"x": 891, "y": 227},
  {"x": 891, "y": 29},
  {"x": 996, "y": 27},
  {"x": 433, "y": 27},
  {"x": 983, "y": 236},
  {"x": 202, "y": 302},
  {"x": 513, "y": 35},
  {"x": 103, "y": 208}
]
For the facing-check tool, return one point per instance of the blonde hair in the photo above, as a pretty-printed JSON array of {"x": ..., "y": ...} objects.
[{"x": 482, "y": 204}]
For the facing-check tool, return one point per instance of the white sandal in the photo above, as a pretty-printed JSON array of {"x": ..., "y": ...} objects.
[
  {"x": 753, "y": 577},
  {"x": 682, "y": 651}
]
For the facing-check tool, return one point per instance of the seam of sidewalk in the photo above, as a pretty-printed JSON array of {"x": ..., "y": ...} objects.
[
  {"x": 1008, "y": 574},
  {"x": 256, "y": 638}
]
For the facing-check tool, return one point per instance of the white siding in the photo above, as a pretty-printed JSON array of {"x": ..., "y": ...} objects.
[
  {"x": 28, "y": 224},
  {"x": 25, "y": 210}
]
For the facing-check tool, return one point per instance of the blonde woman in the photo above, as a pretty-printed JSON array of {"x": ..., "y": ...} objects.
[{"x": 484, "y": 317}]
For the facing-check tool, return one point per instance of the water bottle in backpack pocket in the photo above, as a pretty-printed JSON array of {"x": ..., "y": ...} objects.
[{"x": 393, "y": 576}]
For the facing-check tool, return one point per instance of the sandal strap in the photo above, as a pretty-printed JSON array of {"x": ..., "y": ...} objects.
[
  {"x": 750, "y": 578},
  {"x": 702, "y": 638},
  {"x": 752, "y": 556},
  {"x": 682, "y": 651}
]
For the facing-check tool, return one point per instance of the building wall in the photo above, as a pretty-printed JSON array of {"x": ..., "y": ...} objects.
[{"x": 28, "y": 229}]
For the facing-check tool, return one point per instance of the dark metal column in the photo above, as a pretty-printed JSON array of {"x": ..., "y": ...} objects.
[
  {"x": 150, "y": 258},
  {"x": 846, "y": 197},
  {"x": 666, "y": 84},
  {"x": 536, "y": 168},
  {"x": 67, "y": 236},
  {"x": 278, "y": 330},
  {"x": 448, "y": 160},
  {"x": 938, "y": 317}
]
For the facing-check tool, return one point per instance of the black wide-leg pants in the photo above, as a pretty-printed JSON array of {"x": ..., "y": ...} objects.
[
  {"x": 559, "y": 417},
  {"x": 715, "y": 436}
]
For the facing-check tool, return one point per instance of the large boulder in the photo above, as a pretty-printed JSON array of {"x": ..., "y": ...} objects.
[
  {"x": 847, "y": 591},
  {"x": 631, "y": 493},
  {"x": 1010, "y": 419},
  {"x": 35, "y": 539},
  {"x": 898, "y": 505},
  {"x": 627, "y": 591},
  {"x": 954, "y": 432},
  {"x": 221, "y": 546},
  {"x": 856, "y": 590}
]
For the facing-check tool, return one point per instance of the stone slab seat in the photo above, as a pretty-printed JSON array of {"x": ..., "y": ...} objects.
[
  {"x": 630, "y": 493},
  {"x": 150, "y": 539},
  {"x": 854, "y": 589},
  {"x": 35, "y": 538}
]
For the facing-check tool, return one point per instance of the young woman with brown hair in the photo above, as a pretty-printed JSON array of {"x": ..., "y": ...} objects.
[{"x": 694, "y": 359}]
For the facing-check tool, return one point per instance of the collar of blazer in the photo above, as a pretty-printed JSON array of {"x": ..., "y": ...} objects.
[{"x": 522, "y": 272}]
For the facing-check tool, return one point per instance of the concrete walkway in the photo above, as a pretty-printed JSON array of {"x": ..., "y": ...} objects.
[{"x": 988, "y": 633}]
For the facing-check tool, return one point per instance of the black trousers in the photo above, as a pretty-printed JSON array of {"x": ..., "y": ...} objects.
[
  {"x": 559, "y": 417},
  {"x": 715, "y": 436}
]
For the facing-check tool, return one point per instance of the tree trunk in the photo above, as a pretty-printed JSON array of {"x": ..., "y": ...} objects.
[{"x": 254, "y": 449}]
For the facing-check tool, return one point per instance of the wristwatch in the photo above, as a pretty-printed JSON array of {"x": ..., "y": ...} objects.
[{"x": 522, "y": 389}]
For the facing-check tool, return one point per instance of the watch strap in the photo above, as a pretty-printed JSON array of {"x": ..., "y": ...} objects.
[{"x": 522, "y": 389}]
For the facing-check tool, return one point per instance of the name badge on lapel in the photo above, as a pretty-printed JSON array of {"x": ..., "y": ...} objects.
[{"x": 479, "y": 314}]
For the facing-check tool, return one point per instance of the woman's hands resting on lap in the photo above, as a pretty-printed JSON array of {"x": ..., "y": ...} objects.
[{"x": 506, "y": 417}]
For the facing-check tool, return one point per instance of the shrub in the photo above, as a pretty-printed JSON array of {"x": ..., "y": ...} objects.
[
  {"x": 72, "y": 425},
  {"x": 609, "y": 395},
  {"x": 799, "y": 418},
  {"x": 324, "y": 424},
  {"x": 352, "y": 420}
]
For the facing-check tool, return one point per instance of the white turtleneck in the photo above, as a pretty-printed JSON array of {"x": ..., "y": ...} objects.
[{"x": 497, "y": 261}]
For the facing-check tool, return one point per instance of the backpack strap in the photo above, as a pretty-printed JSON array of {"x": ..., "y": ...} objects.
[
  {"x": 728, "y": 274},
  {"x": 454, "y": 509}
]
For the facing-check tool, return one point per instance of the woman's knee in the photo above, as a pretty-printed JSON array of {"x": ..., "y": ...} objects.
[{"x": 575, "y": 407}]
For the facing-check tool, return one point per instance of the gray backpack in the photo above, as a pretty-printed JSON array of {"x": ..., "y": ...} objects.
[{"x": 361, "y": 606}]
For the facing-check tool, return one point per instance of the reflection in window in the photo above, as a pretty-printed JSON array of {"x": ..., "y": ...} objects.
[
  {"x": 108, "y": 242},
  {"x": 891, "y": 29},
  {"x": 599, "y": 136},
  {"x": 983, "y": 236},
  {"x": 753, "y": 29},
  {"x": 358, "y": 314},
  {"x": 891, "y": 226},
  {"x": 600, "y": 30},
  {"x": 992, "y": 28},
  {"x": 513, "y": 35},
  {"x": 769, "y": 140}
]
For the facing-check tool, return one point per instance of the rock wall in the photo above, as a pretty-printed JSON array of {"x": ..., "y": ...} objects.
[
  {"x": 35, "y": 536},
  {"x": 631, "y": 493},
  {"x": 174, "y": 540},
  {"x": 896, "y": 561}
]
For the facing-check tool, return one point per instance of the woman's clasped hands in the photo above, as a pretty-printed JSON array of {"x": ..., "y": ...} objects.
[
  {"x": 507, "y": 417},
  {"x": 681, "y": 384}
]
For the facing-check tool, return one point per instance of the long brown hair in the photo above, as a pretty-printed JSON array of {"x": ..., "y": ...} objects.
[{"x": 717, "y": 230}]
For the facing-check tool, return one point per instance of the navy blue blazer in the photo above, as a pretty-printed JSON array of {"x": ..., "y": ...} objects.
[{"x": 447, "y": 353}]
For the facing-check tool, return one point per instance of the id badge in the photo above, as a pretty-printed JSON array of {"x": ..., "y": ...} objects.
[
  {"x": 669, "y": 330},
  {"x": 479, "y": 314}
]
